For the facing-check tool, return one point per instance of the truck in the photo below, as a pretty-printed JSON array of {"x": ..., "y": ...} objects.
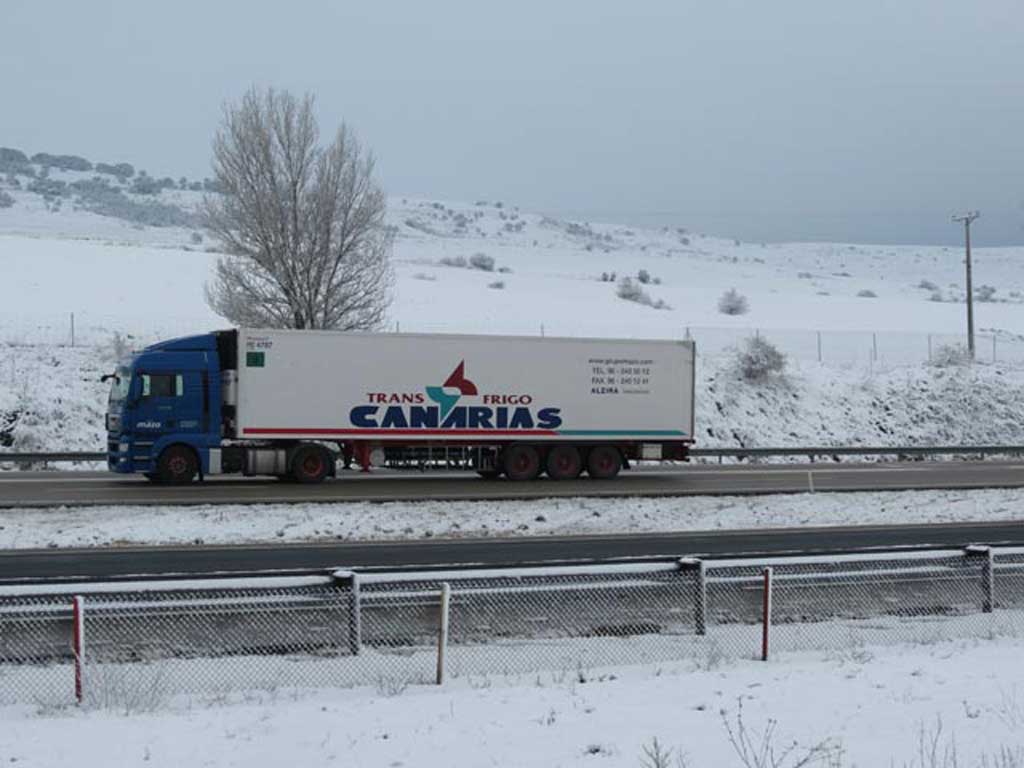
[{"x": 288, "y": 403}]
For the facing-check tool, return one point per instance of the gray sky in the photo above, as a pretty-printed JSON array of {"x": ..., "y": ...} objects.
[{"x": 862, "y": 120}]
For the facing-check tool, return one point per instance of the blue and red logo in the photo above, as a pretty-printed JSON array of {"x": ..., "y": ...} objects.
[{"x": 455, "y": 406}]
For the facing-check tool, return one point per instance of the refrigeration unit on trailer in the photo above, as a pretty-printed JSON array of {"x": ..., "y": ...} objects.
[{"x": 281, "y": 403}]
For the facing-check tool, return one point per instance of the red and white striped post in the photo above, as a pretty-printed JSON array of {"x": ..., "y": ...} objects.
[
  {"x": 78, "y": 641},
  {"x": 767, "y": 613}
]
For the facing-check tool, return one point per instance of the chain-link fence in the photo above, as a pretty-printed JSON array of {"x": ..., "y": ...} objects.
[
  {"x": 883, "y": 348},
  {"x": 136, "y": 645}
]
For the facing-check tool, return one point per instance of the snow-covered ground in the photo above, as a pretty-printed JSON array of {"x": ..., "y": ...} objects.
[
  {"x": 116, "y": 526},
  {"x": 911, "y": 706}
]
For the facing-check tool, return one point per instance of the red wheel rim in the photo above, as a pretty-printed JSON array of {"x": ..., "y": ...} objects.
[
  {"x": 178, "y": 465},
  {"x": 312, "y": 465}
]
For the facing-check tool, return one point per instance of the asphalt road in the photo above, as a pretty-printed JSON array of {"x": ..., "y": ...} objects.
[
  {"x": 121, "y": 562},
  {"x": 42, "y": 489}
]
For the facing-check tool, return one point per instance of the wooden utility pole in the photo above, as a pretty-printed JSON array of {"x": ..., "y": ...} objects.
[{"x": 967, "y": 218}]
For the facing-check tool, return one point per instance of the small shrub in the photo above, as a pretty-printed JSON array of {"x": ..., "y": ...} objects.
[
  {"x": 6, "y": 201},
  {"x": 48, "y": 188},
  {"x": 985, "y": 293},
  {"x": 196, "y": 238},
  {"x": 643, "y": 277},
  {"x": 505, "y": 270},
  {"x": 866, "y": 294},
  {"x": 631, "y": 291},
  {"x": 758, "y": 360},
  {"x": 628, "y": 290},
  {"x": 121, "y": 170},
  {"x": 498, "y": 285},
  {"x": 950, "y": 356},
  {"x": 424, "y": 276},
  {"x": 63, "y": 162},
  {"x": 804, "y": 276},
  {"x": 927, "y": 285},
  {"x": 732, "y": 302},
  {"x": 453, "y": 261},
  {"x": 482, "y": 262},
  {"x": 936, "y": 296}
]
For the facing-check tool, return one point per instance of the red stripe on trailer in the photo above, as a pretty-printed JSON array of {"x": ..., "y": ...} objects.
[{"x": 456, "y": 432}]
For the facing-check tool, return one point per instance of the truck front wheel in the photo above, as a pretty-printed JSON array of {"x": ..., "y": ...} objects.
[
  {"x": 178, "y": 465},
  {"x": 311, "y": 464}
]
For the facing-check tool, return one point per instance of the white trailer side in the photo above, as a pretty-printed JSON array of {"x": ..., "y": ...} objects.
[{"x": 407, "y": 388}]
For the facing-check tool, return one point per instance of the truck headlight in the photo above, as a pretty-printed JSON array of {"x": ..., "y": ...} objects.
[{"x": 122, "y": 447}]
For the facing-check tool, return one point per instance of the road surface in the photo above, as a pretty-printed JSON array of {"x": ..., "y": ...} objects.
[
  {"x": 119, "y": 562},
  {"x": 42, "y": 489}
]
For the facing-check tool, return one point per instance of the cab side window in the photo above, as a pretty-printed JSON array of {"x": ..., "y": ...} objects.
[{"x": 162, "y": 385}]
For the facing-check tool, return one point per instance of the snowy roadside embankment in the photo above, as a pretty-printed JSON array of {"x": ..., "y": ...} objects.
[
  {"x": 894, "y": 706},
  {"x": 235, "y": 524}
]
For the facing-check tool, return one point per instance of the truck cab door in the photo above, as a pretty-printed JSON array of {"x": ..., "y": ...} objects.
[{"x": 170, "y": 402}]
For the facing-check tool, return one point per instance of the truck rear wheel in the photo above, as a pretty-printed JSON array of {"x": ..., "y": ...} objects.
[
  {"x": 311, "y": 464},
  {"x": 564, "y": 462},
  {"x": 604, "y": 462},
  {"x": 521, "y": 462},
  {"x": 178, "y": 465}
]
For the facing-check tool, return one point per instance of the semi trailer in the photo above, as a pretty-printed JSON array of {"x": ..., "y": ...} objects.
[{"x": 286, "y": 403}]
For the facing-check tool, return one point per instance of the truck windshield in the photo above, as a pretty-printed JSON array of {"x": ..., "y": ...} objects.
[{"x": 120, "y": 384}]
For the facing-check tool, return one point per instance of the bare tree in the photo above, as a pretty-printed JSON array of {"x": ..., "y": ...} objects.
[{"x": 302, "y": 225}]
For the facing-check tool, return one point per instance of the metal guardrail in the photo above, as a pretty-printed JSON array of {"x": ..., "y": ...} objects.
[
  {"x": 53, "y": 456},
  {"x": 861, "y": 450},
  {"x": 901, "y": 452}
]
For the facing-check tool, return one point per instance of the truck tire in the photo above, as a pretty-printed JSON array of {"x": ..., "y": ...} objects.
[
  {"x": 489, "y": 474},
  {"x": 604, "y": 462},
  {"x": 178, "y": 465},
  {"x": 311, "y": 464},
  {"x": 521, "y": 462},
  {"x": 564, "y": 462}
]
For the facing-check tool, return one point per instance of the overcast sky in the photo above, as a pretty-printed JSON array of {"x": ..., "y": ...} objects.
[{"x": 860, "y": 120}]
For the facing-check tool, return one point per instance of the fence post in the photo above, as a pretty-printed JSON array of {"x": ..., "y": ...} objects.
[
  {"x": 766, "y": 621},
  {"x": 819, "y": 346},
  {"x": 988, "y": 583},
  {"x": 355, "y": 617},
  {"x": 700, "y": 592},
  {"x": 929, "y": 347},
  {"x": 78, "y": 643},
  {"x": 988, "y": 574},
  {"x": 442, "y": 631},
  {"x": 72, "y": 329},
  {"x": 993, "y": 347},
  {"x": 874, "y": 346}
]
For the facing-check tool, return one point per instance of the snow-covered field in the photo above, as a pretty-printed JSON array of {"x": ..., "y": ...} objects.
[
  {"x": 232, "y": 524},
  {"x": 908, "y": 706}
]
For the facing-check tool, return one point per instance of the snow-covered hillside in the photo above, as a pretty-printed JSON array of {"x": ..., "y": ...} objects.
[{"x": 872, "y": 314}]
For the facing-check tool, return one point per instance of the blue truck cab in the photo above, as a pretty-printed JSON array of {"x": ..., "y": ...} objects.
[
  {"x": 165, "y": 417},
  {"x": 172, "y": 417}
]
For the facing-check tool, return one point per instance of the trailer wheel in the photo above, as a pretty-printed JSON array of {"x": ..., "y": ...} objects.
[
  {"x": 521, "y": 462},
  {"x": 604, "y": 462},
  {"x": 564, "y": 462},
  {"x": 178, "y": 465},
  {"x": 311, "y": 464}
]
